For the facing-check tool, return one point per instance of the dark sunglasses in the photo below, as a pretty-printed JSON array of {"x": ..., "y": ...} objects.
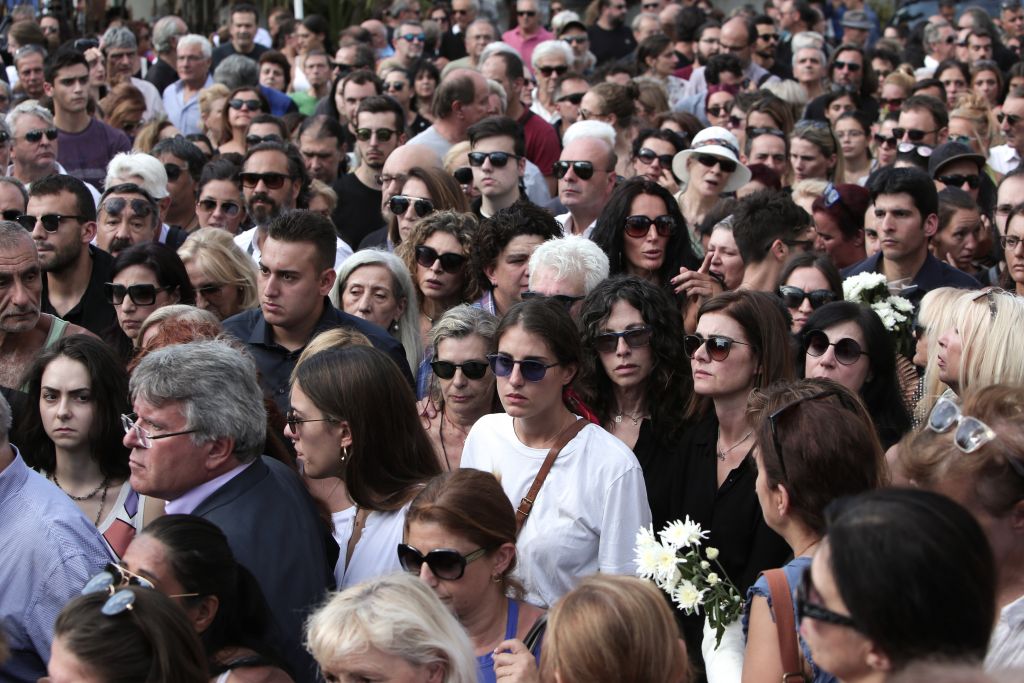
[
  {"x": 718, "y": 346},
  {"x": 584, "y": 170},
  {"x": 567, "y": 300},
  {"x": 498, "y": 159},
  {"x": 720, "y": 109},
  {"x": 36, "y": 135},
  {"x": 400, "y": 203},
  {"x": 210, "y": 205},
  {"x": 250, "y": 105},
  {"x": 885, "y": 141},
  {"x": 576, "y": 39},
  {"x": 383, "y": 134},
  {"x": 849, "y": 66},
  {"x": 648, "y": 156},
  {"x": 572, "y": 98},
  {"x": 527, "y": 13},
  {"x": 141, "y": 295},
  {"x": 709, "y": 160},
  {"x": 847, "y": 350},
  {"x": 502, "y": 365},
  {"x": 445, "y": 563},
  {"x": 912, "y": 134},
  {"x": 734, "y": 122},
  {"x": 463, "y": 175},
  {"x": 1013, "y": 119},
  {"x": 805, "y": 609},
  {"x": 414, "y": 37},
  {"x": 50, "y": 221},
  {"x": 546, "y": 71},
  {"x": 396, "y": 86},
  {"x": 174, "y": 171},
  {"x": 639, "y": 226},
  {"x": 12, "y": 215},
  {"x": 253, "y": 140},
  {"x": 608, "y": 342},
  {"x": 958, "y": 180},
  {"x": 472, "y": 369},
  {"x": 273, "y": 181},
  {"x": 769, "y": 37},
  {"x": 891, "y": 103},
  {"x": 112, "y": 577},
  {"x": 292, "y": 419},
  {"x": 792, "y": 297},
  {"x": 450, "y": 262},
  {"x": 115, "y": 205}
]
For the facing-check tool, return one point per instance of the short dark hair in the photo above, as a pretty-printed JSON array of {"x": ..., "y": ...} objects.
[
  {"x": 951, "y": 200},
  {"x": 60, "y": 182},
  {"x": 382, "y": 104},
  {"x": 724, "y": 62},
  {"x": 457, "y": 88},
  {"x": 513, "y": 64},
  {"x": 278, "y": 58},
  {"x": 911, "y": 181},
  {"x": 548, "y": 320},
  {"x": 707, "y": 25},
  {"x": 299, "y": 225},
  {"x": 62, "y": 59},
  {"x": 652, "y": 46},
  {"x": 165, "y": 264},
  {"x": 495, "y": 233},
  {"x": 245, "y": 8},
  {"x": 282, "y": 127},
  {"x": 498, "y": 126},
  {"x": 687, "y": 22},
  {"x": 664, "y": 134},
  {"x": 184, "y": 150},
  {"x": 296, "y": 164},
  {"x": 762, "y": 218},
  {"x": 362, "y": 77},
  {"x": 220, "y": 169},
  {"x": 938, "y": 110}
]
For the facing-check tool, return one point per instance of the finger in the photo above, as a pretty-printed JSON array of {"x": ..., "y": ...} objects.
[
  {"x": 511, "y": 646},
  {"x": 706, "y": 266}
]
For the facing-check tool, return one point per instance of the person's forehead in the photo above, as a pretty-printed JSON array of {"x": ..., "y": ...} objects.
[
  {"x": 220, "y": 188},
  {"x": 849, "y": 56},
  {"x": 496, "y": 142},
  {"x": 19, "y": 256},
  {"x": 267, "y": 160},
  {"x": 573, "y": 86},
  {"x": 11, "y": 197},
  {"x": 170, "y": 158},
  {"x": 585, "y": 149},
  {"x": 317, "y": 60},
  {"x": 898, "y": 200},
  {"x": 243, "y": 17},
  {"x": 396, "y": 76},
  {"x": 982, "y": 40},
  {"x": 317, "y": 140},
  {"x": 29, "y": 59},
  {"x": 189, "y": 49},
  {"x": 27, "y": 122},
  {"x": 263, "y": 129},
  {"x": 408, "y": 28},
  {"x": 353, "y": 89},
  {"x": 1011, "y": 187},
  {"x": 767, "y": 143},
  {"x": 1013, "y": 105}
]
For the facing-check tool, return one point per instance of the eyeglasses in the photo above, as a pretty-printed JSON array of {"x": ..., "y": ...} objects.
[
  {"x": 400, "y": 203},
  {"x": 847, "y": 351},
  {"x": 115, "y": 205},
  {"x": 396, "y": 86},
  {"x": 140, "y": 295},
  {"x": 51, "y": 221},
  {"x": 805, "y": 609},
  {"x": 145, "y": 439},
  {"x": 720, "y": 109},
  {"x": 962, "y": 139},
  {"x": 546, "y": 71},
  {"x": 572, "y": 98},
  {"x": 1010, "y": 241},
  {"x": 115, "y": 576},
  {"x": 792, "y": 297},
  {"x": 293, "y": 420},
  {"x": 174, "y": 171},
  {"x": 210, "y": 290},
  {"x": 253, "y": 140},
  {"x": 527, "y": 13},
  {"x": 463, "y": 175},
  {"x": 273, "y": 181},
  {"x": 383, "y": 134},
  {"x": 638, "y": 226},
  {"x": 445, "y": 563},
  {"x": 885, "y": 141},
  {"x": 709, "y": 160},
  {"x": 249, "y": 105},
  {"x": 13, "y": 214},
  {"x": 502, "y": 365},
  {"x": 769, "y": 37},
  {"x": 648, "y": 157},
  {"x": 1013, "y": 119},
  {"x": 414, "y": 37},
  {"x": 912, "y": 134},
  {"x": 210, "y": 205},
  {"x": 472, "y": 369},
  {"x": 608, "y": 342},
  {"x": 36, "y": 135},
  {"x": 734, "y": 122},
  {"x": 584, "y": 170},
  {"x": 498, "y": 159},
  {"x": 450, "y": 262},
  {"x": 718, "y": 346},
  {"x": 958, "y": 180},
  {"x": 567, "y": 300},
  {"x": 849, "y": 66}
]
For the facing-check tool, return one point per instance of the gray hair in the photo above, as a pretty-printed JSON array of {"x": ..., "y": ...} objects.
[
  {"x": 933, "y": 32},
  {"x": 147, "y": 168},
  {"x": 11, "y": 180},
  {"x": 27, "y": 50},
  {"x": 10, "y": 238},
  {"x": 498, "y": 89},
  {"x": 598, "y": 130},
  {"x": 119, "y": 37},
  {"x": 408, "y": 325},
  {"x": 461, "y": 322},
  {"x": 808, "y": 39},
  {"x": 195, "y": 39},
  {"x": 552, "y": 47},
  {"x": 165, "y": 30},
  {"x": 31, "y": 107},
  {"x": 237, "y": 71},
  {"x": 635, "y": 24},
  {"x": 215, "y": 383},
  {"x": 572, "y": 256},
  {"x": 498, "y": 46},
  {"x": 821, "y": 55},
  {"x": 5, "y": 419}
]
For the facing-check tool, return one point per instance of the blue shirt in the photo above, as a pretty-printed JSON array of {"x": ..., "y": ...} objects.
[
  {"x": 184, "y": 115},
  {"x": 280, "y": 104},
  {"x": 50, "y": 550}
]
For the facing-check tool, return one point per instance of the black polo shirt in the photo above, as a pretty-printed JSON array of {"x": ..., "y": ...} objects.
[
  {"x": 932, "y": 275},
  {"x": 92, "y": 311},
  {"x": 276, "y": 363}
]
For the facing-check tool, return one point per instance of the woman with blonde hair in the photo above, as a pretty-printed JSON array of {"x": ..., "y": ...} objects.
[
  {"x": 806, "y": 191},
  {"x": 155, "y": 130},
  {"x": 987, "y": 81},
  {"x": 211, "y": 111},
  {"x": 896, "y": 87},
  {"x": 973, "y": 124},
  {"x": 392, "y": 624},
  {"x": 222, "y": 275}
]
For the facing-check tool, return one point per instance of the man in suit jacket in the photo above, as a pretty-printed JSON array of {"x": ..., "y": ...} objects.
[{"x": 196, "y": 437}]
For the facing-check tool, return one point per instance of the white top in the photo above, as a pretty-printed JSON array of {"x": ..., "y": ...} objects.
[
  {"x": 586, "y": 514},
  {"x": 567, "y": 222},
  {"x": 154, "y": 100},
  {"x": 432, "y": 139},
  {"x": 246, "y": 241},
  {"x": 1006, "y": 649},
  {"x": 376, "y": 551},
  {"x": 1003, "y": 158}
]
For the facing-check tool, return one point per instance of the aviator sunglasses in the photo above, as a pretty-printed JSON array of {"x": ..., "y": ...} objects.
[{"x": 400, "y": 203}]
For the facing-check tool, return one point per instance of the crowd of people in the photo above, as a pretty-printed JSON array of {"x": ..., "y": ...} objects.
[{"x": 364, "y": 354}]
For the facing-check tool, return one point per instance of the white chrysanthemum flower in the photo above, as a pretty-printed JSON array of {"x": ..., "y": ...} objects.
[
  {"x": 899, "y": 303},
  {"x": 713, "y": 579},
  {"x": 645, "y": 537},
  {"x": 647, "y": 557},
  {"x": 705, "y": 565},
  {"x": 687, "y": 596},
  {"x": 712, "y": 553},
  {"x": 668, "y": 583},
  {"x": 693, "y": 533},
  {"x": 665, "y": 563},
  {"x": 676, "y": 535}
]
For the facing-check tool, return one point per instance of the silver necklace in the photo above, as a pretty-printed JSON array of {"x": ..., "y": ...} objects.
[
  {"x": 730, "y": 449},
  {"x": 634, "y": 418}
]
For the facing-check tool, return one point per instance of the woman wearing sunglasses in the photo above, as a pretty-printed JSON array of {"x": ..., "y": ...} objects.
[
  {"x": 222, "y": 275},
  {"x": 463, "y": 390},
  {"x": 868, "y": 605},
  {"x": 710, "y": 168},
  {"x": 808, "y": 282},
  {"x": 740, "y": 344},
  {"x": 136, "y": 634},
  {"x": 586, "y": 512},
  {"x": 351, "y": 417},
  {"x": 425, "y": 190},
  {"x": 460, "y": 539},
  {"x": 144, "y": 278},
  {"x": 653, "y": 152},
  {"x": 241, "y": 105},
  {"x": 644, "y": 234},
  {"x": 816, "y": 444},
  {"x": 188, "y": 559},
  {"x": 884, "y": 144},
  {"x": 848, "y": 343},
  {"x": 975, "y": 455},
  {"x": 634, "y": 375}
]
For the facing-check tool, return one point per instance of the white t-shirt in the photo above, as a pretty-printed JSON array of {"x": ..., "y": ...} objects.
[
  {"x": 376, "y": 552},
  {"x": 586, "y": 514}
]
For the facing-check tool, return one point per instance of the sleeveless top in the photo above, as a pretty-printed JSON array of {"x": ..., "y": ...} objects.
[{"x": 485, "y": 663}]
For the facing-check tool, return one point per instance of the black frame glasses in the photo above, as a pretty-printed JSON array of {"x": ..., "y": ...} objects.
[
  {"x": 649, "y": 156},
  {"x": 51, "y": 221},
  {"x": 141, "y": 295},
  {"x": 567, "y": 300},
  {"x": 805, "y": 609},
  {"x": 273, "y": 181},
  {"x": 958, "y": 179},
  {"x": 532, "y": 370},
  {"x": 472, "y": 369},
  {"x": 446, "y": 564},
  {"x": 498, "y": 159},
  {"x": 719, "y": 346},
  {"x": 635, "y": 338},
  {"x": 793, "y": 297},
  {"x": 400, "y": 203},
  {"x": 250, "y": 105},
  {"x": 450, "y": 261},
  {"x": 912, "y": 134},
  {"x": 709, "y": 160},
  {"x": 383, "y": 134},
  {"x": 847, "y": 350},
  {"x": 37, "y": 134},
  {"x": 584, "y": 170}
]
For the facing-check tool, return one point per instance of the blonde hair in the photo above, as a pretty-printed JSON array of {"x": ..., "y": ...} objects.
[
  {"x": 613, "y": 628},
  {"x": 456, "y": 156},
  {"x": 822, "y": 137},
  {"x": 936, "y": 315},
  {"x": 975, "y": 109},
  {"x": 397, "y": 615},
  {"x": 334, "y": 338},
  {"x": 183, "y": 312},
  {"x": 808, "y": 189},
  {"x": 214, "y": 251},
  {"x": 989, "y": 324},
  {"x": 318, "y": 188},
  {"x": 901, "y": 79}
]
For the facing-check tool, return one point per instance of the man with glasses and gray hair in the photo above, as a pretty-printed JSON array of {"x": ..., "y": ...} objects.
[{"x": 121, "y": 50}]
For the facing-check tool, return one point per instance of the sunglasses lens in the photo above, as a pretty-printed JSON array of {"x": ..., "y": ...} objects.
[
  {"x": 691, "y": 343},
  {"x": 533, "y": 371},
  {"x": 446, "y": 564},
  {"x": 637, "y": 338},
  {"x": 561, "y": 168},
  {"x": 792, "y": 297},
  {"x": 474, "y": 369},
  {"x": 114, "y": 293},
  {"x": 25, "y": 221},
  {"x": 142, "y": 295},
  {"x": 972, "y": 434},
  {"x": 816, "y": 343},
  {"x": 943, "y": 416},
  {"x": 637, "y": 226},
  {"x": 443, "y": 369},
  {"x": 606, "y": 343},
  {"x": 423, "y": 207},
  {"x": 34, "y": 136},
  {"x": 476, "y": 158},
  {"x": 501, "y": 365},
  {"x": 409, "y": 558},
  {"x": 398, "y": 205},
  {"x": 820, "y": 297},
  {"x": 583, "y": 169},
  {"x": 719, "y": 347},
  {"x": 425, "y": 256},
  {"x": 847, "y": 351}
]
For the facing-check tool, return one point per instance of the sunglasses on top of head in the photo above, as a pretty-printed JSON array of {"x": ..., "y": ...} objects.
[{"x": 450, "y": 262}]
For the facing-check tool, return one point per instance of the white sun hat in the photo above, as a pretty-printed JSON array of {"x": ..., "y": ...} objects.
[{"x": 719, "y": 142}]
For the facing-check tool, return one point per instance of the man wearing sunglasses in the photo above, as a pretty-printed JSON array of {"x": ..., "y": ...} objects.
[
  {"x": 906, "y": 208},
  {"x": 765, "y": 45},
  {"x": 569, "y": 92},
  {"x": 497, "y": 158},
  {"x": 586, "y": 175},
  {"x": 528, "y": 32},
  {"x": 923, "y": 121},
  {"x": 408, "y": 41},
  {"x": 34, "y": 143},
  {"x": 956, "y": 165},
  {"x": 61, "y": 217},
  {"x": 552, "y": 60},
  {"x": 183, "y": 162},
  {"x": 1007, "y": 157},
  {"x": 769, "y": 228},
  {"x": 42, "y": 527}
]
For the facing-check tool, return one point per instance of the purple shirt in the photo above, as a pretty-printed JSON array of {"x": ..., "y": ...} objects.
[
  {"x": 523, "y": 45},
  {"x": 85, "y": 155}
]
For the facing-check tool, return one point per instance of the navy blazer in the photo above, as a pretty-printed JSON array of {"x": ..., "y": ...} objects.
[
  {"x": 932, "y": 275},
  {"x": 274, "y": 531}
]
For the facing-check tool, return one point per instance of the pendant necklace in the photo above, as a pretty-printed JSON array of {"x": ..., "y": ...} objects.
[{"x": 730, "y": 449}]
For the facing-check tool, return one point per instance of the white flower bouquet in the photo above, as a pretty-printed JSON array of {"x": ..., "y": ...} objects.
[
  {"x": 896, "y": 313},
  {"x": 676, "y": 566}
]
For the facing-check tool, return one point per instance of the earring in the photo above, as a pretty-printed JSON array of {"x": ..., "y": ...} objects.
[
  {"x": 394, "y": 326},
  {"x": 496, "y": 578},
  {"x": 344, "y": 453}
]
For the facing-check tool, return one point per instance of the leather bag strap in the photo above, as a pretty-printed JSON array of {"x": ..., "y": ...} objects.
[
  {"x": 785, "y": 625},
  {"x": 526, "y": 504}
]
